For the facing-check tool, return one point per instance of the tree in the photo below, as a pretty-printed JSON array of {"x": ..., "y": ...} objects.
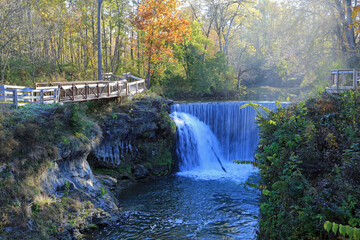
[
  {"x": 162, "y": 26},
  {"x": 99, "y": 41},
  {"x": 11, "y": 23}
]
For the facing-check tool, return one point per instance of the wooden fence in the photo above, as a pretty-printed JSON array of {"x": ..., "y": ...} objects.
[
  {"x": 344, "y": 79},
  {"x": 72, "y": 91},
  {"x": 19, "y": 96}
]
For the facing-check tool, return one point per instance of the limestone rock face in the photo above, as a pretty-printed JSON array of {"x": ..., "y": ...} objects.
[
  {"x": 72, "y": 169},
  {"x": 70, "y": 172},
  {"x": 137, "y": 138}
]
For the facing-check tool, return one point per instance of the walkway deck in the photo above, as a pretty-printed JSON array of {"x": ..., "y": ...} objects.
[
  {"x": 344, "y": 79},
  {"x": 66, "y": 92}
]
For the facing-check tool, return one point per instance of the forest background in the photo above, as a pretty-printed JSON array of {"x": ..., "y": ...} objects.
[{"x": 230, "y": 49}]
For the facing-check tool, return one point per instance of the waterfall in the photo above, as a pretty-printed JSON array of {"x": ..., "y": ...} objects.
[
  {"x": 197, "y": 145},
  {"x": 213, "y": 132}
]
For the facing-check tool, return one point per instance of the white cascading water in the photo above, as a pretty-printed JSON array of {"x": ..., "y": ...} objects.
[
  {"x": 197, "y": 145},
  {"x": 210, "y": 133}
]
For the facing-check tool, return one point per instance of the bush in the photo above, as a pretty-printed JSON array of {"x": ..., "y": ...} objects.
[{"x": 308, "y": 156}]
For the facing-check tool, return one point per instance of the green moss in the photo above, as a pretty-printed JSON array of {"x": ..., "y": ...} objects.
[
  {"x": 103, "y": 191},
  {"x": 173, "y": 127},
  {"x": 123, "y": 169},
  {"x": 163, "y": 158},
  {"x": 106, "y": 171},
  {"x": 92, "y": 226}
]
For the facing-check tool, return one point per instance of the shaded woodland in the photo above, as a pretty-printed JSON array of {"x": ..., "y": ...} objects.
[{"x": 188, "y": 49}]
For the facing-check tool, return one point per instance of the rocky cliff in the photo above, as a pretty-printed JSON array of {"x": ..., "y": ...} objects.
[
  {"x": 138, "y": 139},
  {"x": 59, "y": 165}
]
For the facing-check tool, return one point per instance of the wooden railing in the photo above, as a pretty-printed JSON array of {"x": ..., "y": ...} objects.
[
  {"x": 344, "y": 79},
  {"x": 18, "y": 96},
  {"x": 72, "y": 91}
]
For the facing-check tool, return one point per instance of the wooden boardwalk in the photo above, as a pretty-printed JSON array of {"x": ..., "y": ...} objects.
[
  {"x": 344, "y": 79},
  {"x": 65, "y": 92}
]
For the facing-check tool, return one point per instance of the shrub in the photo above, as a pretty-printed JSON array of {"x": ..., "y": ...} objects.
[{"x": 308, "y": 153}]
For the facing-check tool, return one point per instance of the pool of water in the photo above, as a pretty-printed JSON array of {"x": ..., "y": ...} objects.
[{"x": 182, "y": 207}]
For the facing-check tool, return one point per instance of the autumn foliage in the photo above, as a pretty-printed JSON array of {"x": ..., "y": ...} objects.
[{"x": 162, "y": 27}]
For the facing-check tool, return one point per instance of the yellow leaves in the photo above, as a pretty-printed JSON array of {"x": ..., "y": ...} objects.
[
  {"x": 356, "y": 18},
  {"x": 162, "y": 27}
]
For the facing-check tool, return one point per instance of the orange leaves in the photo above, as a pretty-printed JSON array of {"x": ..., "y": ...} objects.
[
  {"x": 162, "y": 27},
  {"x": 356, "y": 18}
]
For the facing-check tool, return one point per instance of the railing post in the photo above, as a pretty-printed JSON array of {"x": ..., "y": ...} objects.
[
  {"x": 31, "y": 96},
  {"x": 337, "y": 79},
  {"x": 118, "y": 88},
  {"x": 63, "y": 91},
  {"x": 42, "y": 96},
  {"x": 56, "y": 93},
  {"x": 354, "y": 79},
  {"x": 108, "y": 89},
  {"x": 2, "y": 93},
  {"x": 73, "y": 92},
  {"x": 15, "y": 97},
  {"x": 59, "y": 87},
  {"x": 86, "y": 90}
]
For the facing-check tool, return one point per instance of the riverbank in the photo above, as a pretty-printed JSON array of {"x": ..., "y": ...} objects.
[
  {"x": 60, "y": 165},
  {"x": 254, "y": 93},
  {"x": 309, "y": 165}
]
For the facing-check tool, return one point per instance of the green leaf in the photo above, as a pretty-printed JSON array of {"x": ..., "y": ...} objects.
[
  {"x": 256, "y": 108},
  {"x": 356, "y": 234},
  {"x": 278, "y": 105},
  {"x": 335, "y": 228},
  {"x": 353, "y": 222},
  {"x": 266, "y": 192},
  {"x": 342, "y": 230},
  {"x": 272, "y": 122},
  {"x": 350, "y": 231},
  {"x": 327, "y": 226}
]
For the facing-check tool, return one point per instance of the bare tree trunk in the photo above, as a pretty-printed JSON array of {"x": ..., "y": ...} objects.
[
  {"x": 110, "y": 38},
  {"x": 94, "y": 44},
  {"x": 113, "y": 61},
  {"x": 132, "y": 49},
  {"x": 105, "y": 44},
  {"x": 228, "y": 33},
  {"x": 220, "y": 42},
  {"x": 148, "y": 73},
  {"x": 2, "y": 76},
  {"x": 100, "y": 77},
  {"x": 30, "y": 42},
  {"x": 138, "y": 53},
  {"x": 72, "y": 58},
  {"x": 350, "y": 30},
  {"x": 2, "y": 66},
  {"x": 84, "y": 48}
]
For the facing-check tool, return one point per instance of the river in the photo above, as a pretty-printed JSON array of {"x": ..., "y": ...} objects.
[{"x": 207, "y": 198}]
